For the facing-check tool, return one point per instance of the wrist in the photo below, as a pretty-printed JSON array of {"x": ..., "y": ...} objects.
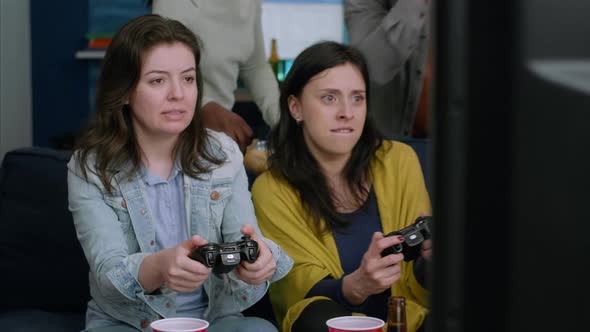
[
  {"x": 150, "y": 274},
  {"x": 352, "y": 290}
]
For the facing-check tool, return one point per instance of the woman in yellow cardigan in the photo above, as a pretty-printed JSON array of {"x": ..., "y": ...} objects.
[{"x": 333, "y": 188}]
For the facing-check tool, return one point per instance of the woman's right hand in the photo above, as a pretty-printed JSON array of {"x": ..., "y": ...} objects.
[
  {"x": 376, "y": 273},
  {"x": 174, "y": 268}
]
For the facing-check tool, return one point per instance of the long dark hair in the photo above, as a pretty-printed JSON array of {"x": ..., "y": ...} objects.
[
  {"x": 291, "y": 158},
  {"x": 111, "y": 137}
]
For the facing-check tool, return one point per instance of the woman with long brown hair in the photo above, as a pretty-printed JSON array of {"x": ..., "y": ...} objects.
[{"x": 148, "y": 185}]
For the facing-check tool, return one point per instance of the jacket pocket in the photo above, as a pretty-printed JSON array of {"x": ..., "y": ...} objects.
[{"x": 221, "y": 192}]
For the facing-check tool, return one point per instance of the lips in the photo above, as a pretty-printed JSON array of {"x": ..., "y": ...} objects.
[
  {"x": 174, "y": 114},
  {"x": 342, "y": 130}
]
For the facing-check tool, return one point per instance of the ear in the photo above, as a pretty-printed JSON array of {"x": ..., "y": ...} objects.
[{"x": 295, "y": 108}]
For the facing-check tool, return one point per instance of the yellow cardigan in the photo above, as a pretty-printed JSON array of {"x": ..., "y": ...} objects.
[{"x": 401, "y": 197}]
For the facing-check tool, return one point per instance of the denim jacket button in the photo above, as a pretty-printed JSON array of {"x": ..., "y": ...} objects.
[
  {"x": 142, "y": 211},
  {"x": 151, "y": 297},
  {"x": 124, "y": 204},
  {"x": 168, "y": 305},
  {"x": 214, "y": 195},
  {"x": 145, "y": 323},
  {"x": 152, "y": 242}
]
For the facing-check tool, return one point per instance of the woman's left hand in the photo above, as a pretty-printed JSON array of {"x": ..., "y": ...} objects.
[{"x": 263, "y": 268}]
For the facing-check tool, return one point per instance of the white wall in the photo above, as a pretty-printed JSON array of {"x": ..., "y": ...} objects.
[
  {"x": 298, "y": 25},
  {"x": 15, "y": 76}
]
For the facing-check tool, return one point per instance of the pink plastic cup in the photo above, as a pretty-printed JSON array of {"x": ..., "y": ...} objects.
[
  {"x": 355, "y": 323},
  {"x": 179, "y": 325}
]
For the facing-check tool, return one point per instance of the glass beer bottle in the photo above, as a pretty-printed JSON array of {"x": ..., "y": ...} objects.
[
  {"x": 396, "y": 314},
  {"x": 274, "y": 58}
]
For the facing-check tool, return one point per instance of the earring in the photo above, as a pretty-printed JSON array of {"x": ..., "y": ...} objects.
[{"x": 298, "y": 121}]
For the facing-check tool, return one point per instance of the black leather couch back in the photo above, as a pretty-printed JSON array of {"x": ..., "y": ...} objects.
[{"x": 42, "y": 265}]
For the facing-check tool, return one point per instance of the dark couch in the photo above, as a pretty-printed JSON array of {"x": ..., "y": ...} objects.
[{"x": 43, "y": 272}]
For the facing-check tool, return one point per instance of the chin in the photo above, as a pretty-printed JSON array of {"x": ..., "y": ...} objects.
[
  {"x": 176, "y": 130},
  {"x": 340, "y": 150}
]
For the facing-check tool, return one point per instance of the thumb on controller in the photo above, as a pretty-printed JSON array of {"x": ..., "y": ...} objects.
[
  {"x": 248, "y": 230},
  {"x": 194, "y": 242}
]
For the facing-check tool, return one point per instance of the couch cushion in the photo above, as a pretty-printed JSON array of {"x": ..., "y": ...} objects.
[
  {"x": 42, "y": 265},
  {"x": 33, "y": 320}
]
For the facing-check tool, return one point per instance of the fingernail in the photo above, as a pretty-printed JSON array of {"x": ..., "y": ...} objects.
[{"x": 401, "y": 238}]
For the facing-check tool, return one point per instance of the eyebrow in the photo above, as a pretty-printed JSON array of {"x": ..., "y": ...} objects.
[
  {"x": 165, "y": 72},
  {"x": 338, "y": 91}
]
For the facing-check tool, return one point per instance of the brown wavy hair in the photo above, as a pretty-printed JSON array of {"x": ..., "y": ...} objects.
[
  {"x": 290, "y": 157},
  {"x": 111, "y": 137}
]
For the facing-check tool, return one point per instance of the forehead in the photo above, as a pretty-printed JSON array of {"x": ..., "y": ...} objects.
[
  {"x": 168, "y": 56},
  {"x": 342, "y": 77}
]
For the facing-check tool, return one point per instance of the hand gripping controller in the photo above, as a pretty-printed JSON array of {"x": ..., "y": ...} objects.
[
  {"x": 223, "y": 257},
  {"x": 413, "y": 235}
]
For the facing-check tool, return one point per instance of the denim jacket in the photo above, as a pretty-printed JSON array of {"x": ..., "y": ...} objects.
[{"x": 116, "y": 231}]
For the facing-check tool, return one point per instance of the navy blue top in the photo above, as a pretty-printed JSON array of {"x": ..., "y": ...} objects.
[{"x": 352, "y": 242}]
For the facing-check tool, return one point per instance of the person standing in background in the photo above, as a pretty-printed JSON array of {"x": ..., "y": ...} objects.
[
  {"x": 231, "y": 32},
  {"x": 393, "y": 36}
]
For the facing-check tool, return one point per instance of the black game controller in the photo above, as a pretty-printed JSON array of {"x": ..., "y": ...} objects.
[
  {"x": 413, "y": 235},
  {"x": 223, "y": 257}
]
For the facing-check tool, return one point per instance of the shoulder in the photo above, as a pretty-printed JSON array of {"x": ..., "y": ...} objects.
[
  {"x": 269, "y": 187},
  {"x": 395, "y": 151},
  {"x": 85, "y": 171},
  {"x": 75, "y": 164},
  {"x": 264, "y": 183},
  {"x": 224, "y": 147},
  {"x": 394, "y": 155},
  {"x": 80, "y": 174}
]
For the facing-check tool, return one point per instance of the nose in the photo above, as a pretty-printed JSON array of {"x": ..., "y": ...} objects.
[
  {"x": 346, "y": 111},
  {"x": 175, "y": 91}
]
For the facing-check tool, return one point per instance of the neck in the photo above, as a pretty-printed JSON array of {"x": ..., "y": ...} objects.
[
  {"x": 157, "y": 154},
  {"x": 333, "y": 169},
  {"x": 342, "y": 195},
  {"x": 346, "y": 199}
]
